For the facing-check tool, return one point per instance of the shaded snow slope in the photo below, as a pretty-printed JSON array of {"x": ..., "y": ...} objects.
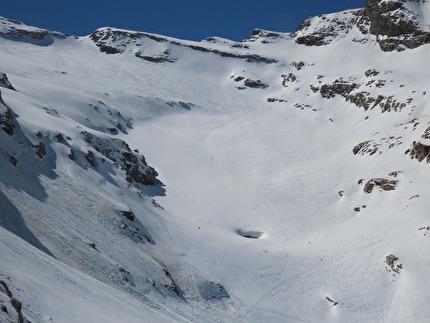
[{"x": 145, "y": 178}]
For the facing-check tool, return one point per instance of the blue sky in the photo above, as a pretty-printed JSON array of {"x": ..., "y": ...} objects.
[{"x": 192, "y": 19}]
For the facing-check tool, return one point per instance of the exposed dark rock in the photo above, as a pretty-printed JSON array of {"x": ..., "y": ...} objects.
[
  {"x": 91, "y": 158},
  {"x": 172, "y": 286},
  {"x": 303, "y": 106},
  {"x": 426, "y": 134},
  {"x": 365, "y": 101},
  {"x": 4, "y": 82},
  {"x": 362, "y": 99},
  {"x": 397, "y": 23},
  {"x": 420, "y": 151},
  {"x": 371, "y": 72},
  {"x": 286, "y": 78},
  {"x": 115, "y": 41},
  {"x": 59, "y": 136},
  {"x": 337, "y": 87},
  {"x": 6, "y": 118},
  {"x": 271, "y": 100},
  {"x": 16, "y": 304},
  {"x": 18, "y": 31},
  {"x": 365, "y": 147},
  {"x": 101, "y": 38},
  {"x": 13, "y": 160},
  {"x": 40, "y": 149},
  {"x": 128, "y": 215},
  {"x": 118, "y": 151},
  {"x": 391, "y": 261},
  {"x": 255, "y": 84},
  {"x": 329, "y": 28},
  {"x": 6, "y": 288},
  {"x": 185, "y": 105},
  {"x": 155, "y": 58},
  {"x": 314, "y": 88},
  {"x": 297, "y": 65},
  {"x": 264, "y": 33},
  {"x": 383, "y": 183},
  {"x": 395, "y": 173}
]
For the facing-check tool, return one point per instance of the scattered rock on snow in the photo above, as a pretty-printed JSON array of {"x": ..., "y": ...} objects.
[
  {"x": 383, "y": 183},
  {"x": 391, "y": 261},
  {"x": 365, "y": 147}
]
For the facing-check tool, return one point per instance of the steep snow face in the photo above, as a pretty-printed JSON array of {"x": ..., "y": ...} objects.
[{"x": 146, "y": 178}]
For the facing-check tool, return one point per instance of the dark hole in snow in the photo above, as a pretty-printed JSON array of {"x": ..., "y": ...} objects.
[{"x": 250, "y": 234}]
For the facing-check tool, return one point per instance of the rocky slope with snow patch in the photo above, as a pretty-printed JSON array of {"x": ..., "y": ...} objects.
[{"x": 280, "y": 178}]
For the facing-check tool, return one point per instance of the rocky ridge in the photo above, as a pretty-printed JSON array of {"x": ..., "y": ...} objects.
[{"x": 396, "y": 24}]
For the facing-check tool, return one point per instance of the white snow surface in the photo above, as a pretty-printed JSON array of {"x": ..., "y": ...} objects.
[{"x": 252, "y": 218}]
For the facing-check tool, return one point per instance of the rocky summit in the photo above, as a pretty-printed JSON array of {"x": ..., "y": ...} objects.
[{"x": 281, "y": 178}]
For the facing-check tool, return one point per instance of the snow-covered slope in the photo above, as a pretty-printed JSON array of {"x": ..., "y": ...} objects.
[{"x": 278, "y": 179}]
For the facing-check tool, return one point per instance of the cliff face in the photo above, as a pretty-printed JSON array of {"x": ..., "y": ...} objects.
[{"x": 398, "y": 24}]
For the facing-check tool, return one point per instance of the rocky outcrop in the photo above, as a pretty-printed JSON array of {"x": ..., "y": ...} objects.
[
  {"x": 383, "y": 184},
  {"x": 120, "y": 154},
  {"x": 357, "y": 94},
  {"x": 10, "y": 306},
  {"x": 40, "y": 149},
  {"x": 392, "y": 263},
  {"x": 324, "y": 29},
  {"x": 419, "y": 151},
  {"x": 365, "y": 147},
  {"x": 396, "y": 24},
  {"x": 4, "y": 82},
  {"x": 255, "y": 84},
  {"x": 155, "y": 58},
  {"x": 6, "y": 118}
]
